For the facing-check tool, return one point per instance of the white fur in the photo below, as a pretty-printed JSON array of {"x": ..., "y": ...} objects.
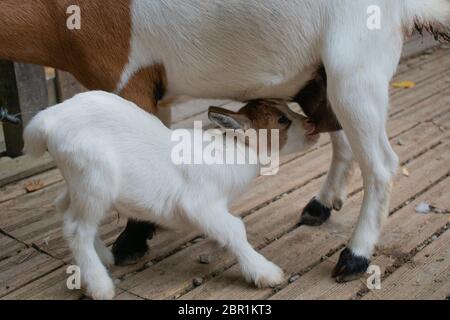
[{"x": 114, "y": 155}]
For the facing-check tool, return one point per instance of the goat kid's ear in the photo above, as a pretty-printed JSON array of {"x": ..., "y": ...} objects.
[{"x": 227, "y": 119}]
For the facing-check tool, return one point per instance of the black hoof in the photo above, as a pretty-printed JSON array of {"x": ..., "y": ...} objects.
[
  {"x": 315, "y": 214},
  {"x": 350, "y": 267},
  {"x": 131, "y": 245}
]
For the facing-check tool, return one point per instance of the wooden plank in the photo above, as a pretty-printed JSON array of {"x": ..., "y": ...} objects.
[
  {"x": 411, "y": 62},
  {"x": 127, "y": 296},
  {"x": 18, "y": 189},
  {"x": 304, "y": 247},
  {"x": 51, "y": 286},
  {"x": 23, "y": 90},
  {"x": 9, "y": 247},
  {"x": 12, "y": 170},
  {"x": 24, "y": 268},
  {"x": 33, "y": 220},
  {"x": 67, "y": 86},
  {"x": 429, "y": 66},
  {"x": 427, "y": 276},
  {"x": 2, "y": 140},
  {"x": 404, "y": 231},
  {"x": 417, "y": 44},
  {"x": 425, "y": 89}
]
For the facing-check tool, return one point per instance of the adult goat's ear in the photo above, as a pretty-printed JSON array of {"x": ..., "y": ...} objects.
[{"x": 227, "y": 119}]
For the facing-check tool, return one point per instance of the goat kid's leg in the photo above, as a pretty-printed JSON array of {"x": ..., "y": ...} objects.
[
  {"x": 361, "y": 101},
  {"x": 62, "y": 204},
  {"x": 81, "y": 233},
  {"x": 104, "y": 253},
  {"x": 230, "y": 232},
  {"x": 334, "y": 191}
]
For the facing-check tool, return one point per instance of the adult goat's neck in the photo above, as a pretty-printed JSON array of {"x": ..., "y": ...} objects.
[
  {"x": 27, "y": 33},
  {"x": 35, "y": 31}
]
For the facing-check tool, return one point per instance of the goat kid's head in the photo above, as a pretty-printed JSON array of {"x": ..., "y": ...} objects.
[{"x": 296, "y": 133}]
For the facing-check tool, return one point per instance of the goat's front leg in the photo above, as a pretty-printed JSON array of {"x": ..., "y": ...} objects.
[
  {"x": 334, "y": 191},
  {"x": 229, "y": 231}
]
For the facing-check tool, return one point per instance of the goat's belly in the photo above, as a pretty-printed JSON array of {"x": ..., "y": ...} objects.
[
  {"x": 239, "y": 86},
  {"x": 169, "y": 219}
]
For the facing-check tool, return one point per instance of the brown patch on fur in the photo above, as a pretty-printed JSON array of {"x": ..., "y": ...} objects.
[
  {"x": 314, "y": 101},
  {"x": 147, "y": 87},
  {"x": 34, "y": 31},
  {"x": 264, "y": 114},
  {"x": 96, "y": 54}
]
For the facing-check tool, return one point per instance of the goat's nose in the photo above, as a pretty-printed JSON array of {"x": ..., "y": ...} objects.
[{"x": 310, "y": 126}]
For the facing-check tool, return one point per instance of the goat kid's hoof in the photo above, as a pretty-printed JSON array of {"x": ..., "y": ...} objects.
[
  {"x": 269, "y": 276},
  {"x": 104, "y": 291},
  {"x": 350, "y": 266},
  {"x": 315, "y": 214},
  {"x": 128, "y": 252}
]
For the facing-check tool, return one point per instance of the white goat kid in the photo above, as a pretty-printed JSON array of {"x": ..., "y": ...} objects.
[{"x": 114, "y": 155}]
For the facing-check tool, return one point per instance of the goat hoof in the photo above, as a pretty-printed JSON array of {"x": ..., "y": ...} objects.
[
  {"x": 102, "y": 291},
  {"x": 272, "y": 276},
  {"x": 128, "y": 251},
  {"x": 350, "y": 266},
  {"x": 315, "y": 214},
  {"x": 338, "y": 204}
]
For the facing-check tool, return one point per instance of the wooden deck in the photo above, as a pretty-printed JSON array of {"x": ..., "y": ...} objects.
[{"x": 414, "y": 252}]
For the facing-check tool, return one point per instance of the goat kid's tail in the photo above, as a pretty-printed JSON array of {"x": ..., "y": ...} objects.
[
  {"x": 429, "y": 15},
  {"x": 35, "y": 136}
]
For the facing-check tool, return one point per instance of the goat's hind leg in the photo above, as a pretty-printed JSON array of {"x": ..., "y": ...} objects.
[
  {"x": 230, "y": 232},
  {"x": 80, "y": 229},
  {"x": 62, "y": 204},
  {"x": 359, "y": 94}
]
